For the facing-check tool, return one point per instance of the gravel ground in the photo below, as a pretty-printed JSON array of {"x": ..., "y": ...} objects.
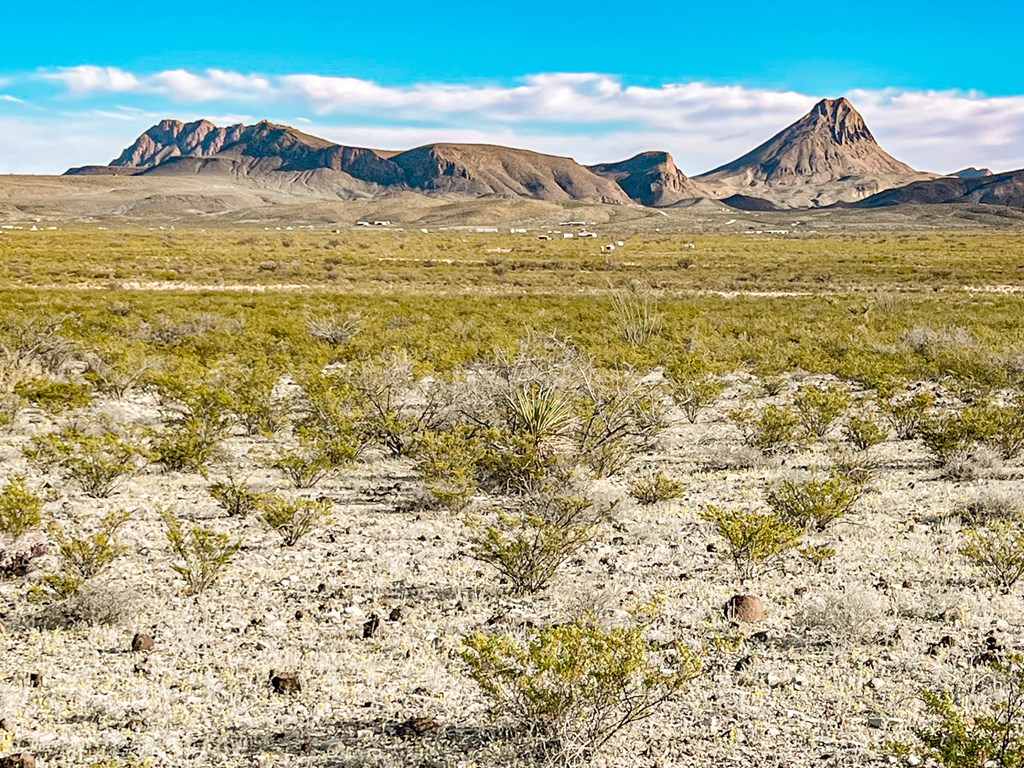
[{"x": 826, "y": 679}]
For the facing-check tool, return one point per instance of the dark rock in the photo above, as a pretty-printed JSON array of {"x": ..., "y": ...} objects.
[
  {"x": 372, "y": 626},
  {"x": 285, "y": 682},
  {"x": 417, "y": 726},
  {"x": 142, "y": 642}
]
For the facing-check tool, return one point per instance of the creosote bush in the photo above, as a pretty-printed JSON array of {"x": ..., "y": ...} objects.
[
  {"x": 905, "y": 412},
  {"x": 98, "y": 461},
  {"x": 234, "y": 496},
  {"x": 772, "y": 429},
  {"x": 447, "y": 463},
  {"x": 21, "y": 508},
  {"x": 814, "y": 503},
  {"x": 818, "y": 407},
  {"x": 755, "y": 540},
  {"x": 693, "y": 391},
  {"x": 997, "y": 550},
  {"x": 653, "y": 487},
  {"x": 952, "y": 436},
  {"x": 304, "y": 465},
  {"x": 201, "y": 553},
  {"x": 197, "y": 417},
  {"x": 83, "y": 557},
  {"x": 529, "y": 538},
  {"x": 570, "y": 689},
  {"x": 292, "y": 519},
  {"x": 863, "y": 431},
  {"x": 20, "y": 513},
  {"x": 990, "y": 738},
  {"x": 53, "y": 395}
]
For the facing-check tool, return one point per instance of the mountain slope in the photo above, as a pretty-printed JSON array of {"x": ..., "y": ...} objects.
[
  {"x": 483, "y": 169},
  {"x": 280, "y": 157},
  {"x": 651, "y": 178},
  {"x": 828, "y": 155},
  {"x": 1000, "y": 189}
]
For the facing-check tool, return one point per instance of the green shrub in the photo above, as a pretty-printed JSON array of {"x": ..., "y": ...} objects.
[
  {"x": 292, "y": 519},
  {"x": 772, "y": 429},
  {"x": 950, "y": 437},
  {"x": 818, "y": 407},
  {"x": 21, "y": 508},
  {"x": 117, "y": 368},
  {"x": 235, "y": 497},
  {"x": 53, "y": 395},
  {"x": 328, "y": 418},
  {"x": 1007, "y": 433},
  {"x": 572, "y": 688},
  {"x": 447, "y": 462},
  {"x": 695, "y": 391},
  {"x": 250, "y": 397},
  {"x": 513, "y": 462},
  {"x": 755, "y": 540},
  {"x": 815, "y": 503},
  {"x": 993, "y": 738},
  {"x": 304, "y": 465},
  {"x": 863, "y": 432},
  {"x": 197, "y": 418},
  {"x": 905, "y": 412},
  {"x": 530, "y": 539},
  {"x": 654, "y": 487},
  {"x": 98, "y": 461},
  {"x": 997, "y": 550},
  {"x": 83, "y": 557},
  {"x": 201, "y": 553}
]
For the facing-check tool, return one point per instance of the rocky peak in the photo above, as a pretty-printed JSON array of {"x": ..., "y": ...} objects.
[{"x": 839, "y": 118}]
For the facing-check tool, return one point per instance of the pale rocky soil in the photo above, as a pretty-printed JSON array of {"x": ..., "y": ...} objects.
[{"x": 807, "y": 687}]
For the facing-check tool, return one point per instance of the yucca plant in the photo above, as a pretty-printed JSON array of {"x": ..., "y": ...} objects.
[{"x": 543, "y": 414}]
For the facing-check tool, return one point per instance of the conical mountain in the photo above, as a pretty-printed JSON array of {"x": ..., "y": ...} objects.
[
  {"x": 826, "y": 156},
  {"x": 652, "y": 178}
]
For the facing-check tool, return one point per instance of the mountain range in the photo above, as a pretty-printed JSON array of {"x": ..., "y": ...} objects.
[{"x": 827, "y": 157}]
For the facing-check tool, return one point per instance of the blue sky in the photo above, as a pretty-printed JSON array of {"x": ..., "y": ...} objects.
[{"x": 940, "y": 83}]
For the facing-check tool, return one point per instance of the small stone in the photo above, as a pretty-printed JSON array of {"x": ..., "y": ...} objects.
[
  {"x": 746, "y": 608},
  {"x": 135, "y": 724},
  {"x": 142, "y": 642},
  {"x": 875, "y": 722},
  {"x": 372, "y": 626},
  {"x": 300, "y": 615},
  {"x": 876, "y": 683},
  {"x": 745, "y": 663},
  {"x": 35, "y": 680},
  {"x": 417, "y": 726},
  {"x": 285, "y": 682},
  {"x": 396, "y": 614},
  {"x": 6, "y": 725}
]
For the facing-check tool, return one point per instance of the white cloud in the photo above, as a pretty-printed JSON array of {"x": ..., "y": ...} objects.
[
  {"x": 86, "y": 79},
  {"x": 11, "y": 99},
  {"x": 590, "y": 116}
]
